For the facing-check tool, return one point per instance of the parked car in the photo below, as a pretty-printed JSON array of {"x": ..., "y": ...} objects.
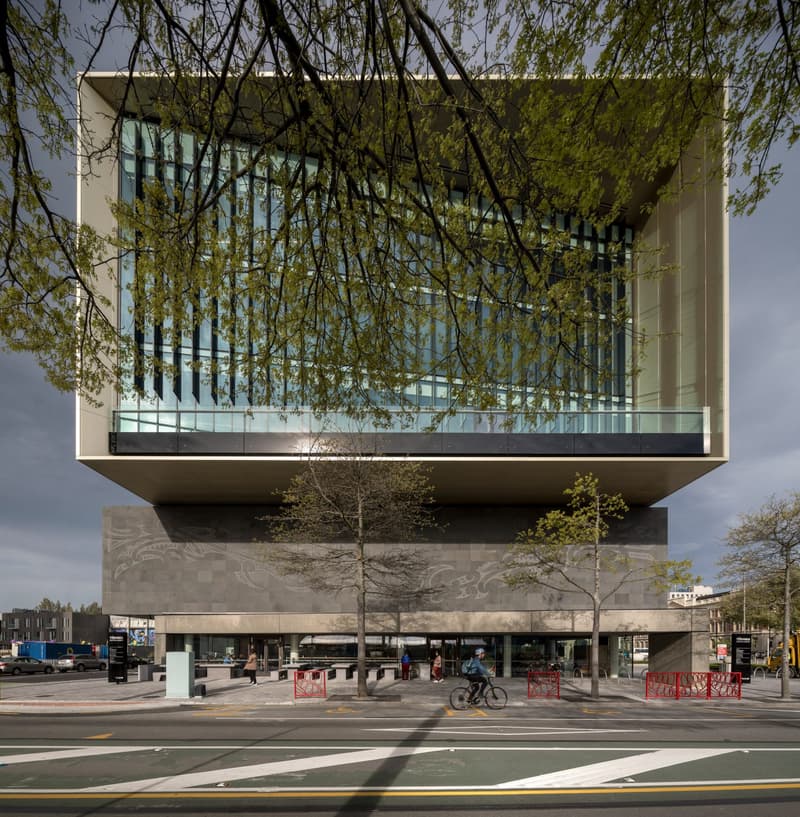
[
  {"x": 134, "y": 661},
  {"x": 14, "y": 666},
  {"x": 79, "y": 662}
]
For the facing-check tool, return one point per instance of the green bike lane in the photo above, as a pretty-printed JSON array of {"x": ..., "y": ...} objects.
[{"x": 94, "y": 770}]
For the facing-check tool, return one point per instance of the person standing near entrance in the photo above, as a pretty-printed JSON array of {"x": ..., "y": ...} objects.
[
  {"x": 405, "y": 665},
  {"x": 251, "y": 666},
  {"x": 437, "y": 668}
]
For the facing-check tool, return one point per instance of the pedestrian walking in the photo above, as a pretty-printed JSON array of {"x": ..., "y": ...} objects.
[{"x": 251, "y": 666}]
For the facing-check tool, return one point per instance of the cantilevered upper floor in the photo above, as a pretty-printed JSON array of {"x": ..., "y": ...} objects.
[{"x": 658, "y": 422}]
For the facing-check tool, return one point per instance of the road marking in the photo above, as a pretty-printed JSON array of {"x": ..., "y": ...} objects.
[
  {"x": 65, "y": 754},
  {"x": 478, "y": 713},
  {"x": 217, "y": 776},
  {"x": 340, "y": 710},
  {"x": 504, "y": 731},
  {"x": 583, "y": 777},
  {"x": 103, "y": 736},
  {"x": 519, "y": 716},
  {"x": 371, "y": 793},
  {"x": 598, "y": 773}
]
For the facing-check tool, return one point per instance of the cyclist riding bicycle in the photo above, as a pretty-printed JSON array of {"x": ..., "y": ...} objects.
[{"x": 477, "y": 675}]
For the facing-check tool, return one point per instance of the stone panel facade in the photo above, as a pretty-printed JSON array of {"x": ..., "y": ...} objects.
[{"x": 215, "y": 560}]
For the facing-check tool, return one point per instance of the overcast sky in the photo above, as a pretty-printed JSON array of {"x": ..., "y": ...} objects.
[{"x": 50, "y": 506}]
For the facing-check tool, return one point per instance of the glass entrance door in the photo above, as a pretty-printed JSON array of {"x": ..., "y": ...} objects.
[{"x": 450, "y": 647}]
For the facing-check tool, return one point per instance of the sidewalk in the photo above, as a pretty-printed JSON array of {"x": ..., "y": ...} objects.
[{"x": 93, "y": 693}]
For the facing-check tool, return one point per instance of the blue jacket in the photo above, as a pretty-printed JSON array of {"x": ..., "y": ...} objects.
[{"x": 476, "y": 667}]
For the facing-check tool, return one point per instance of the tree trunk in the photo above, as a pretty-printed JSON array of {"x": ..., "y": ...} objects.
[
  {"x": 361, "y": 637},
  {"x": 787, "y": 626},
  {"x": 595, "y": 654},
  {"x": 361, "y": 610},
  {"x": 596, "y": 649}
]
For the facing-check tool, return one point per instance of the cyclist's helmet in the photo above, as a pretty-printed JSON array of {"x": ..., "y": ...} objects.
[{"x": 480, "y": 651}]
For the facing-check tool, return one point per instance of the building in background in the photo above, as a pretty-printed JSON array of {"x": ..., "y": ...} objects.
[
  {"x": 195, "y": 557},
  {"x": 686, "y": 596},
  {"x": 720, "y": 626},
  {"x": 49, "y": 625}
]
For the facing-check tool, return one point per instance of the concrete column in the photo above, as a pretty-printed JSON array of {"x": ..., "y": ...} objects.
[
  {"x": 294, "y": 648},
  {"x": 613, "y": 656},
  {"x": 160, "y": 648},
  {"x": 678, "y": 652},
  {"x": 506, "y": 656},
  {"x": 552, "y": 652}
]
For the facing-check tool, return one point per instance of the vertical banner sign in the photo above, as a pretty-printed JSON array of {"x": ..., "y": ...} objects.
[
  {"x": 117, "y": 656},
  {"x": 741, "y": 649}
]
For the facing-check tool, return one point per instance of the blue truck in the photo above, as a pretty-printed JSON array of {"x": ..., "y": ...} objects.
[{"x": 50, "y": 650}]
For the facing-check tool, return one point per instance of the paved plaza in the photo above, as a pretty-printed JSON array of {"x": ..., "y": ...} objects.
[{"x": 94, "y": 693}]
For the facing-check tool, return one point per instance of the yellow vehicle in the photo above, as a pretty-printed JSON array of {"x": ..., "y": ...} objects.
[{"x": 776, "y": 656}]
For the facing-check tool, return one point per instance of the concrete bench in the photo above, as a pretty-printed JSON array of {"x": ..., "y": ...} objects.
[
  {"x": 278, "y": 674},
  {"x": 344, "y": 672},
  {"x": 391, "y": 671},
  {"x": 375, "y": 673},
  {"x": 222, "y": 671},
  {"x": 144, "y": 672}
]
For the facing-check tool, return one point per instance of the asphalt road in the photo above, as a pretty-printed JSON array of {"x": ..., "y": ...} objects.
[
  {"x": 9, "y": 680},
  {"x": 562, "y": 758}
]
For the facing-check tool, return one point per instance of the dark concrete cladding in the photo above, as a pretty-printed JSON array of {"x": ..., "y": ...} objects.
[{"x": 215, "y": 559}]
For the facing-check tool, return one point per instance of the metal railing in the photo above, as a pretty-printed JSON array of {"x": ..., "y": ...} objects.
[
  {"x": 245, "y": 421},
  {"x": 693, "y": 685}
]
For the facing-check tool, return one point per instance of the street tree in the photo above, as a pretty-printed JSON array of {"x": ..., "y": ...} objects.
[
  {"x": 765, "y": 546},
  {"x": 760, "y": 605},
  {"x": 568, "y": 551},
  {"x": 48, "y": 605},
  {"x": 340, "y": 527},
  {"x": 371, "y": 232}
]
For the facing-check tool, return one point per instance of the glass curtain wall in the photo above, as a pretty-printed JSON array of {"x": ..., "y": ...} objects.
[{"x": 150, "y": 153}]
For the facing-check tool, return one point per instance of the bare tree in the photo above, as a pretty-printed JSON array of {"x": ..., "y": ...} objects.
[
  {"x": 339, "y": 528},
  {"x": 765, "y": 546},
  {"x": 568, "y": 551}
]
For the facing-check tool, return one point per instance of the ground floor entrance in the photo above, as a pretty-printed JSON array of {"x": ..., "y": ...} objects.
[{"x": 511, "y": 655}]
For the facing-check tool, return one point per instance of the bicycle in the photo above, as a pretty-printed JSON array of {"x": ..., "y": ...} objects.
[{"x": 494, "y": 697}]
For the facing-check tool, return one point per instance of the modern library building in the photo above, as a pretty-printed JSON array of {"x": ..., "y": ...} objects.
[{"x": 196, "y": 556}]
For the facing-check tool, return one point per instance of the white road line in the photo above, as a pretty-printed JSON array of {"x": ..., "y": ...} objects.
[
  {"x": 66, "y": 754},
  {"x": 217, "y": 776},
  {"x": 504, "y": 731},
  {"x": 596, "y": 774}
]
